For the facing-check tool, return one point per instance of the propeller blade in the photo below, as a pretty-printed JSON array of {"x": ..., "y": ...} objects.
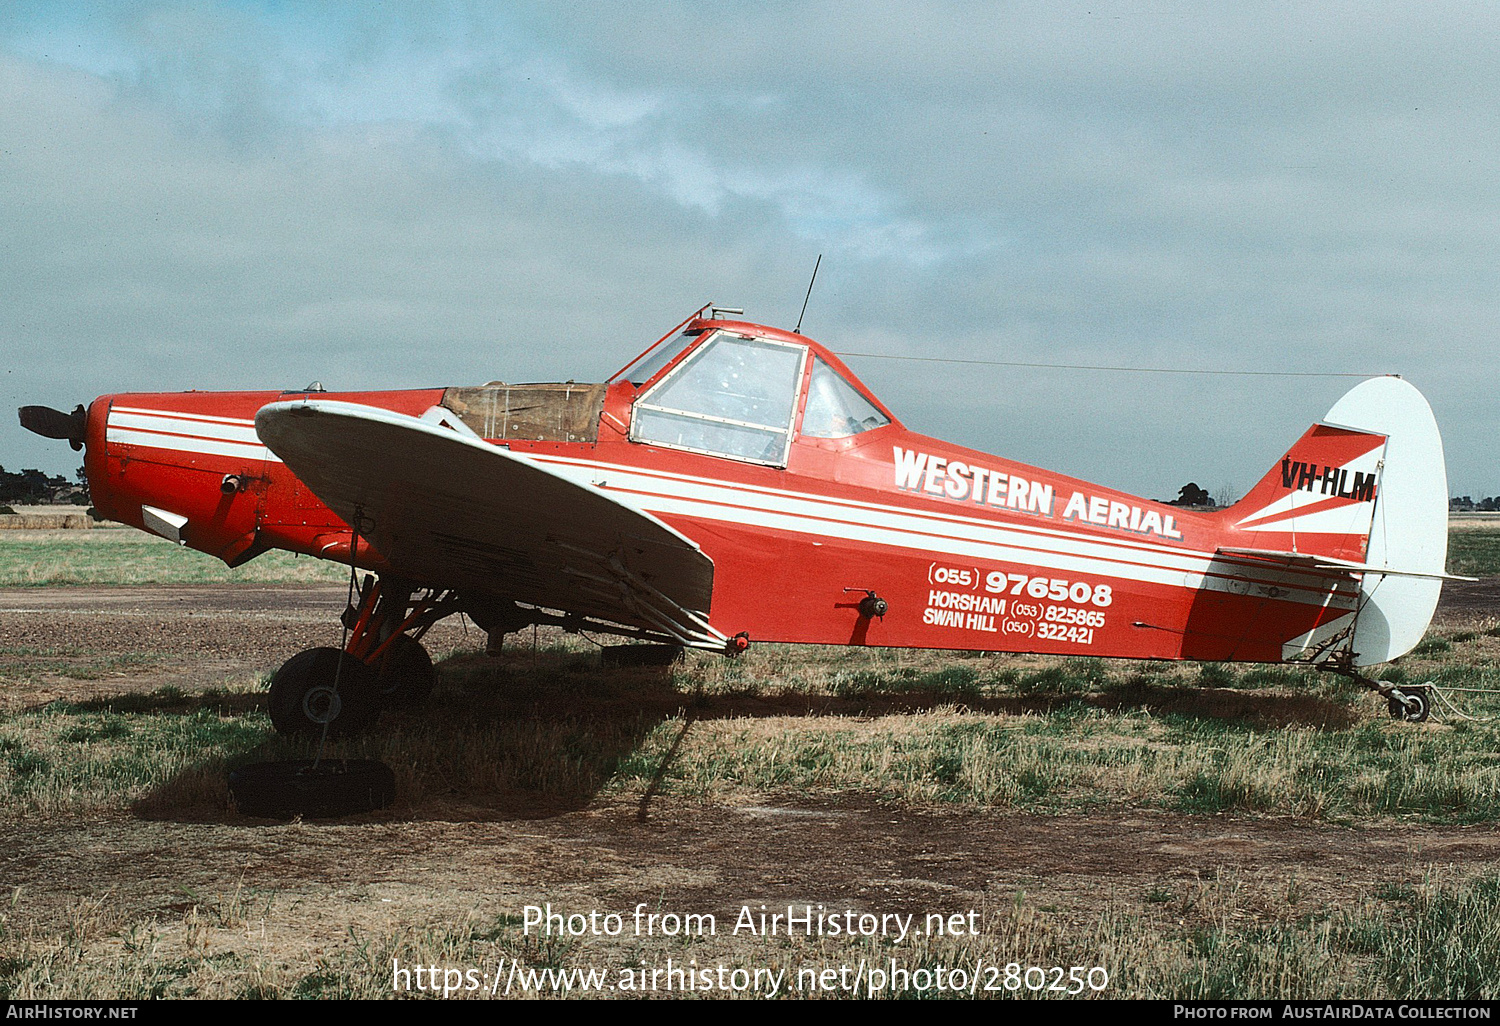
[{"x": 50, "y": 423}]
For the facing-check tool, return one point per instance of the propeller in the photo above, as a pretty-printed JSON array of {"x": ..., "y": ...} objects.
[{"x": 50, "y": 423}]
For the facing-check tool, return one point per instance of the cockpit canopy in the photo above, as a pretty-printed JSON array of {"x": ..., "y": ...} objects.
[
  {"x": 731, "y": 391},
  {"x": 726, "y": 389}
]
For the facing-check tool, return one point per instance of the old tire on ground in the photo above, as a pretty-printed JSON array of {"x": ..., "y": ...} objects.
[
  {"x": 1414, "y": 709},
  {"x": 407, "y": 677},
  {"x": 337, "y": 787},
  {"x": 303, "y": 697}
]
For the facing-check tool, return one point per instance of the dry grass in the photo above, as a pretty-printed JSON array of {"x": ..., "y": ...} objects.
[
  {"x": 550, "y": 731},
  {"x": 551, "y": 734},
  {"x": 553, "y": 729},
  {"x": 1231, "y": 936}
]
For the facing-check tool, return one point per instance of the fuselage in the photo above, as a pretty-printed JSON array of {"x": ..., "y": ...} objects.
[{"x": 802, "y": 521}]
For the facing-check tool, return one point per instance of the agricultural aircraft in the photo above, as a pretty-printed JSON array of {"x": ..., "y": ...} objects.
[{"x": 737, "y": 484}]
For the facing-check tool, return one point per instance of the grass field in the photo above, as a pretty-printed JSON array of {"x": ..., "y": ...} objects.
[
  {"x": 122, "y": 556},
  {"x": 1226, "y": 938},
  {"x": 555, "y": 730},
  {"x": 893, "y": 733},
  {"x": 997, "y": 732},
  {"x": 1474, "y": 547}
]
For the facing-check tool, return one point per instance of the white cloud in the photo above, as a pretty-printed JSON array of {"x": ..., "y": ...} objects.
[{"x": 410, "y": 194}]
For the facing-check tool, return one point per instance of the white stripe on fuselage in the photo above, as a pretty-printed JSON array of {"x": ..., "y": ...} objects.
[
  {"x": 940, "y": 535},
  {"x": 934, "y": 533},
  {"x": 188, "y": 433},
  {"x": 202, "y": 418}
]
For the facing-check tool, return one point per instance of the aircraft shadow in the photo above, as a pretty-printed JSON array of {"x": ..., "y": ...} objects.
[
  {"x": 536, "y": 735},
  {"x": 1252, "y": 709},
  {"x": 524, "y": 736}
]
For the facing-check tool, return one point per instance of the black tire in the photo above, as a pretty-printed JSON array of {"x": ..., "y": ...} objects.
[
  {"x": 303, "y": 697},
  {"x": 407, "y": 678},
  {"x": 337, "y": 787},
  {"x": 1414, "y": 709}
]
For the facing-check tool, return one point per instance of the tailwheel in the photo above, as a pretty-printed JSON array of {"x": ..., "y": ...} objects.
[
  {"x": 323, "y": 687},
  {"x": 1410, "y": 704}
]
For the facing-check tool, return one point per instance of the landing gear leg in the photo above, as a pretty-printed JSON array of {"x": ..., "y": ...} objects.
[
  {"x": 386, "y": 635},
  {"x": 1411, "y": 702},
  {"x": 382, "y": 664}
]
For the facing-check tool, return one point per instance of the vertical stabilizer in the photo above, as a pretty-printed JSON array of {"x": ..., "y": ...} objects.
[{"x": 1320, "y": 499}]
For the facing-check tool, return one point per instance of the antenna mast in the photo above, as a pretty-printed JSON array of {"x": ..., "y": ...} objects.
[{"x": 798, "y": 329}]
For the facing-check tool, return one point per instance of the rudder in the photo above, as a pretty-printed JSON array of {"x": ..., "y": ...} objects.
[{"x": 1410, "y": 528}]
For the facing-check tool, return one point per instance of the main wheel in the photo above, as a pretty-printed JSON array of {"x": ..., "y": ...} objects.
[
  {"x": 1414, "y": 708},
  {"x": 304, "y": 698},
  {"x": 407, "y": 676},
  {"x": 336, "y": 787}
]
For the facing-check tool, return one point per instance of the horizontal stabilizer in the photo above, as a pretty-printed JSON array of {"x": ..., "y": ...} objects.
[
  {"x": 1314, "y": 562},
  {"x": 1362, "y": 493}
]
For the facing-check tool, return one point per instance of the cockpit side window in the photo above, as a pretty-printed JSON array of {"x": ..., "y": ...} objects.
[
  {"x": 835, "y": 408},
  {"x": 733, "y": 397}
]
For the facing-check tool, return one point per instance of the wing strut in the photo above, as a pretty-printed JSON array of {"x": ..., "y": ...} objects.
[{"x": 681, "y": 624}]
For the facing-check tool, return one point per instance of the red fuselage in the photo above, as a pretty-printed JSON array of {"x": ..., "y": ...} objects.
[{"x": 969, "y": 551}]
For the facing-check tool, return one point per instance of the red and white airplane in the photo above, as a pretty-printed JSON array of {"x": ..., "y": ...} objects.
[{"x": 736, "y": 483}]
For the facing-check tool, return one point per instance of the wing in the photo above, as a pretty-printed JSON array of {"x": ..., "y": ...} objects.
[{"x": 448, "y": 509}]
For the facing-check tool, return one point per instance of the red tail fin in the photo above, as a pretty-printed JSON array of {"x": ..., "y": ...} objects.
[{"x": 1319, "y": 499}]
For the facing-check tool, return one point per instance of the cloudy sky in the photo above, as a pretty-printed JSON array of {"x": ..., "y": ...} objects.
[{"x": 253, "y": 195}]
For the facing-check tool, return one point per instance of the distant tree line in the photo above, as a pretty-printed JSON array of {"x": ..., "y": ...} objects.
[
  {"x": 1194, "y": 494},
  {"x": 1464, "y": 504},
  {"x": 1191, "y": 494},
  {"x": 31, "y": 487}
]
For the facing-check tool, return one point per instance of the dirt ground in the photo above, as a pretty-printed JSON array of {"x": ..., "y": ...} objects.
[
  {"x": 214, "y": 633},
  {"x": 379, "y": 875}
]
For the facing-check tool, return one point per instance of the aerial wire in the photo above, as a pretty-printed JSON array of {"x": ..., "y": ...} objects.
[
  {"x": 1074, "y": 366},
  {"x": 1100, "y": 367}
]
